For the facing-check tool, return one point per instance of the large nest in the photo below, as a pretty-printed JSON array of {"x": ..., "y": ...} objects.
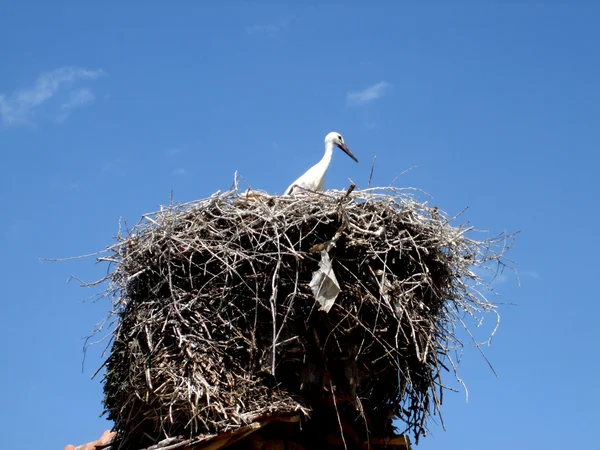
[{"x": 218, "y": 321}]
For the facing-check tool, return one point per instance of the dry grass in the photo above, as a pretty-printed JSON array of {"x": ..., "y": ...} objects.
[{"x": 216, "y": 321}]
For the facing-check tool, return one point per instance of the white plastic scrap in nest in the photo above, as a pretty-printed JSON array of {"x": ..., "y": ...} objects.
[{"x": 324, "y": 284}]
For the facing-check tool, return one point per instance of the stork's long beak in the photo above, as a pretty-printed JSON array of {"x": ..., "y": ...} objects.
[{"x": 347, "y": 151}]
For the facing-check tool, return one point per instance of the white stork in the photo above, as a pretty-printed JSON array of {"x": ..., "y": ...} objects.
[{"x": 314, "y": 178}]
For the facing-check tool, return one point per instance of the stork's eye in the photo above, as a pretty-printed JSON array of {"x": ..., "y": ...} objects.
[{"x": 340, "y": 138}]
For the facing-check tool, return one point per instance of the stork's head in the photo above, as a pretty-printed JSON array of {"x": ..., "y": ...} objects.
[{"x": 336, "y": 139}]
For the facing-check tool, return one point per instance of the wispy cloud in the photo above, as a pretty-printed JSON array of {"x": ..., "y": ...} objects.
[
  {"x": 490, "y": 275},
  {"x": 173, "y": 151},
  {"x": 77, "y": 99},
  {"x": 20, "y": 106},
  {"x": 367, "y": 95},
  {"x": 270, "y": 30},
  {"x": 115, "y": 166},
  {"x": 179, "y": 172},
  {"x": 499, "y": 278},
  {"x": 530, "y": 273}
]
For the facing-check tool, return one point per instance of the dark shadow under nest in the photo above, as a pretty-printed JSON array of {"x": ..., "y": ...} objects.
[{"x": 217, "y": 321}]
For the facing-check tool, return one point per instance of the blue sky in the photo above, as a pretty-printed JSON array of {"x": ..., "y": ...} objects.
[{"x": 106, "y": 108}]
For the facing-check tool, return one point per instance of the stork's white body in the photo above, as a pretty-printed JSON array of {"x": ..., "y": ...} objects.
[{"x": 314, "y": 178}]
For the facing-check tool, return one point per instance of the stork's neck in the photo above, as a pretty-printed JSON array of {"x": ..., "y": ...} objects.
[{"x": 326, "y": 159}]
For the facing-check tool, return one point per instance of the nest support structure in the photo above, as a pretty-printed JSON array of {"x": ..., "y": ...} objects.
[{"x": 218, "y": 319}]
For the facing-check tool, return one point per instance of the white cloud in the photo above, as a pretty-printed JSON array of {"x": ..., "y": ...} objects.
[
  {"x": 490, "y": 275},
  {"x": 499, "y": 278},
  {"x": 530, "y": 273},
  {"x": 179, "y": 172},
  {"x": 367, "y": 95},
  {"x": 174, "y": 151},
  {"x": 115, "y": 167},
  {"x": 77, "y": 99},
  {"x": 20, "y": 106},
  {"x": 269, "y": 30}
]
